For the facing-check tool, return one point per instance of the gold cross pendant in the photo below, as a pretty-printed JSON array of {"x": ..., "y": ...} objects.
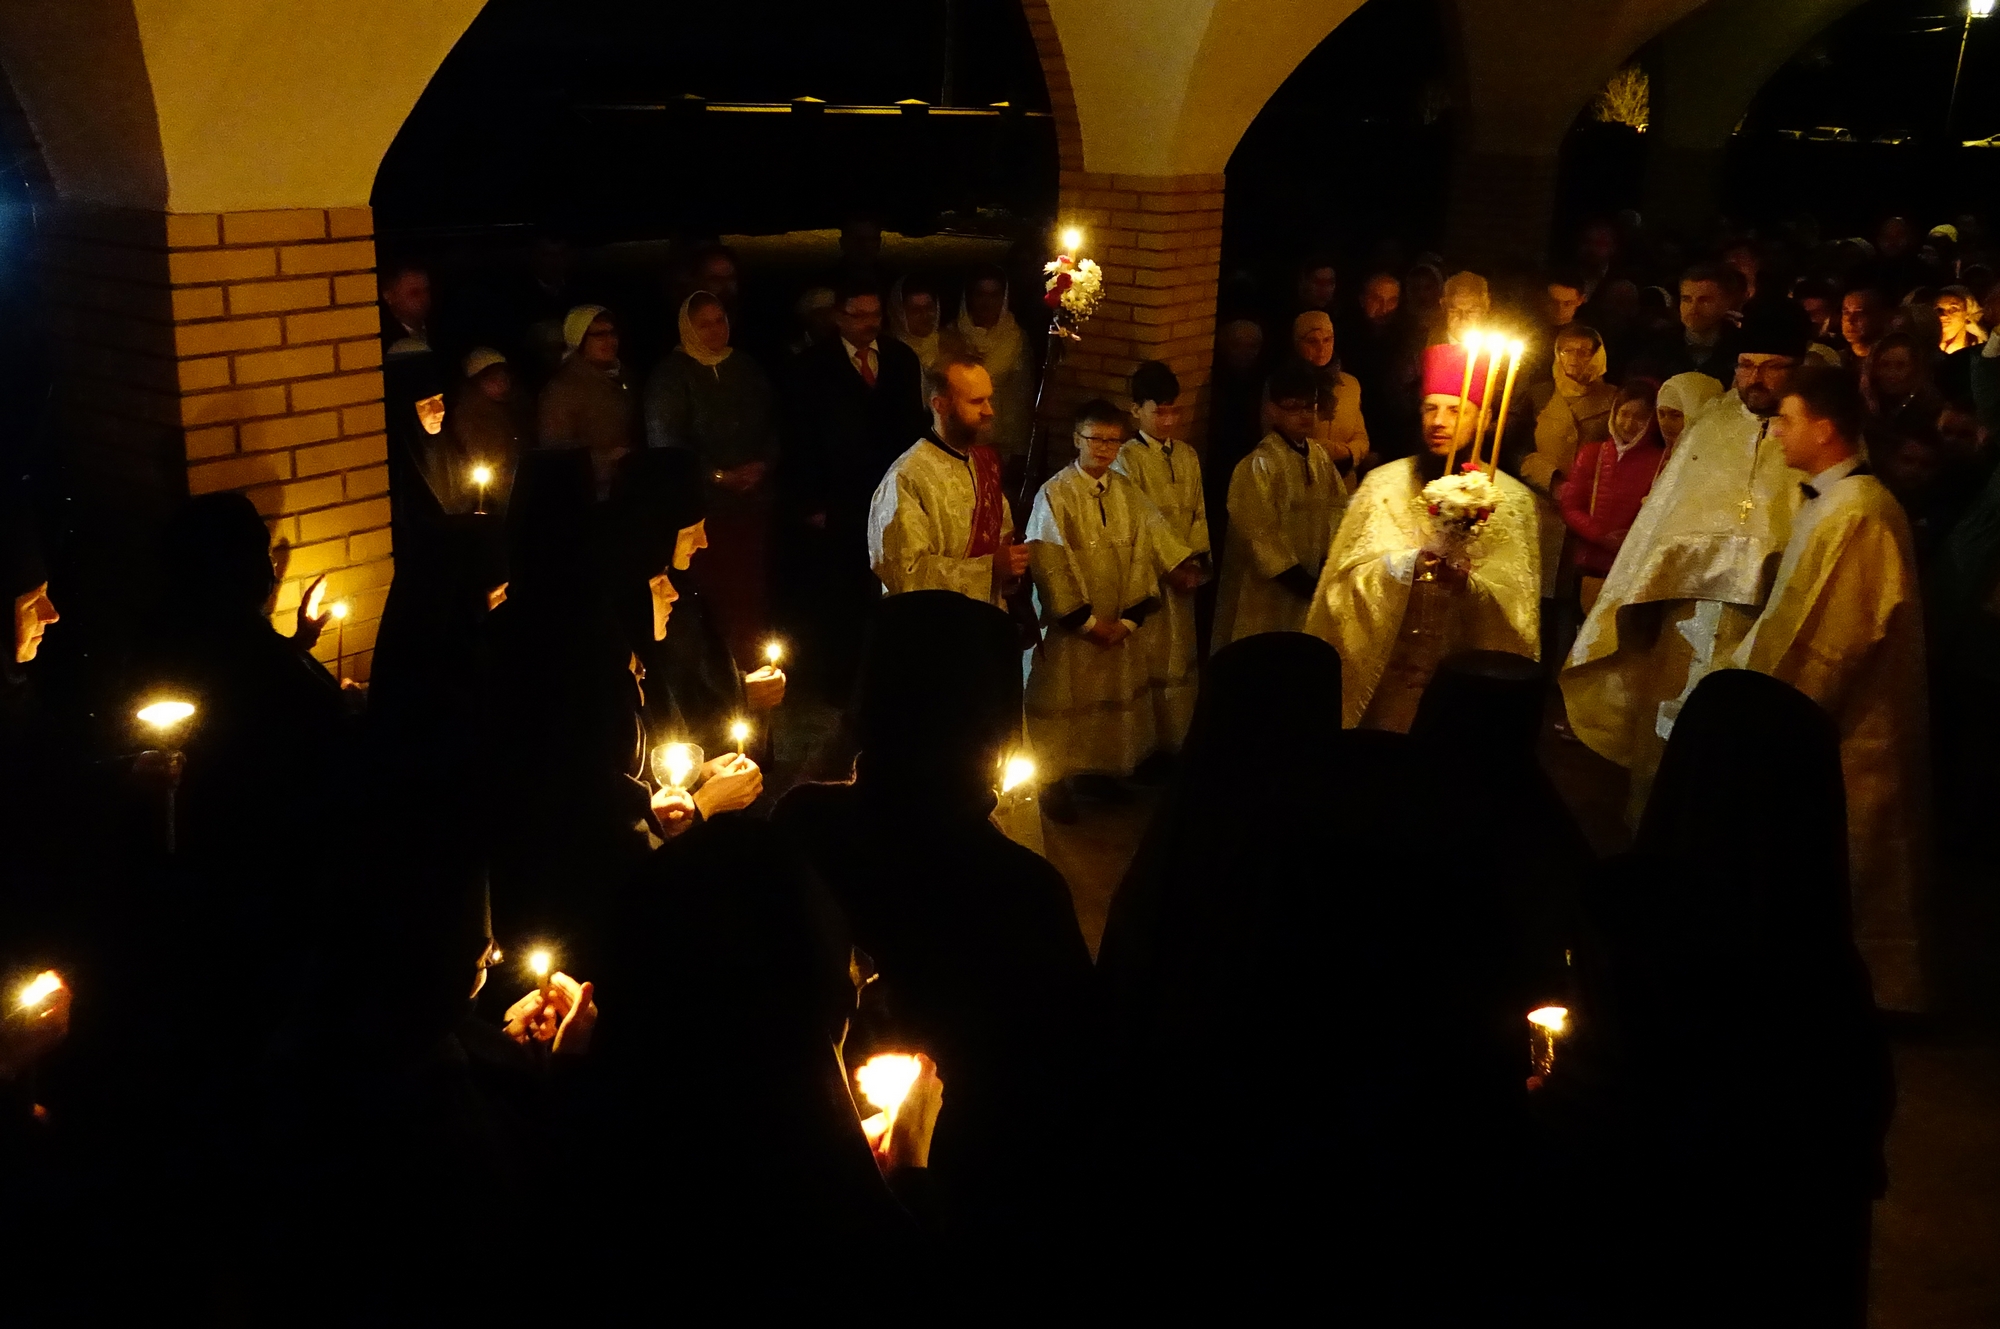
[{"x": 1743, "y": 510}]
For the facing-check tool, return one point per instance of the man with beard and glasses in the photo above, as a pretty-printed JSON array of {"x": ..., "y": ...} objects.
[{"x": 1697, "y": 564}]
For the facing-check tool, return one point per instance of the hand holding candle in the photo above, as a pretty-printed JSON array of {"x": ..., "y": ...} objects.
[
  {"x": 909, "y": 1094},
  {"x": 36, "y": 1020}
]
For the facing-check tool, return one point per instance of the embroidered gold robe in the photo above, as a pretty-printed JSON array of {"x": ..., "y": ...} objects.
[
  {"x": 1169, "y": 474},
  {"x": 1365, "y": 593},
  {"x": 1283, "y": 509},
  {"x": 1844, "y": 626},
  {"x": 1097, "y": 549},
  {"x": 1686, "y": 586}
]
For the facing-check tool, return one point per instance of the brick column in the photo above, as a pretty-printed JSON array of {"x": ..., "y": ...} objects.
[
  {"x": 1159, "y": 241},
  {"x": 205, "y": 352}
]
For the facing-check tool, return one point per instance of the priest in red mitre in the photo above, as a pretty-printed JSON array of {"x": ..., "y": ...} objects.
[{"x": 1401, "y": 590}]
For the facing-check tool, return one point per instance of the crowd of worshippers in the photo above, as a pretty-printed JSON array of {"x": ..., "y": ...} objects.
[{"x": 354, "y": 992}]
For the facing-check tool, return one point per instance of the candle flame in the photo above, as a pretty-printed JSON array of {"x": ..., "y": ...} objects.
[
  {"x": 885, "y": 1080},
  {"x": 774, "y": 651},
  {"x": 679, "y": 761},
  {"x": 1551, "y": 1018},
  {"x": 1514, "y": 348},
  {"x": 482, "y": 475},
  {"x": 1018, "y": 771},
  {"x": 498, "y": 955},
  {"x": 740, "y": 732},
  {"x": 539, "y": 962},
  {"x": 166, "y": 714},
  {"x": 1072, "y": 239},
  {"x": 1475, "y": 342},
  {"x": 37, "y": 990},
  {"x": 339, "y": 609}
]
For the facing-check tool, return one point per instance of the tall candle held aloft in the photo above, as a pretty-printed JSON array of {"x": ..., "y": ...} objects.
[
  {"x": 740, "y": 734},
  {"x": 1506, "y": 399},
  {"x": 482, "y": 475},
  {"x": 1495, "y": 348},
  {"x": 1472, "y": 344}
]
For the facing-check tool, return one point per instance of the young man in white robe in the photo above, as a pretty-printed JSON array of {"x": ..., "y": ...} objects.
[
  {"x": 1697, "y": 564},
  {"x": 1285, "y": 502},
  {"x": 939, "y": 520},
  {"x": 1168, "y": 472},
  {"x": 1844, "y": 626},
  {"x": 1099, "y": 551},
  {"x": 1391, "y": 603}
]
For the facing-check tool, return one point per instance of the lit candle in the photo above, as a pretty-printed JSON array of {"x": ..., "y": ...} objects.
[
  {"x": 1495, "y": 349},
  {"x": 1546, "y": 1025},
  {"x": 1472, "y": 344},
  {"x": 482, "y": 475},
  {"x": 774, "y": 651},
  {"x": 740, "y": 732},
  {"x": 674, "y": 764},
  {"x": 1506, "y": 399},
  {"x": 1072, "y": 239},
  {"x": 542, "y": 965},
  {"x": 885, "y": 1081},
  {"x": 1018, "y": 771},
  {"x": 164, "y": 717},
  {"x": 38, "y": 989},
  {"x": 339, "y": 612}
]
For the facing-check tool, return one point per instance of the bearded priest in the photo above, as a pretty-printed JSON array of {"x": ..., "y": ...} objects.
[
  {"x": 1698, "y": 563},
  {"x": 1399, "y": 593}
]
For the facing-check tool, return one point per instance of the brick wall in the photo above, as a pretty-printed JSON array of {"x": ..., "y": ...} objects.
[
  {"x": 204, "y": 352},
  {"x": 1159, "y": 241}
]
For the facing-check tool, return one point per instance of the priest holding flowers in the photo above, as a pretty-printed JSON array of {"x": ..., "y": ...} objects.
[{"x": 1399, "y": 592}]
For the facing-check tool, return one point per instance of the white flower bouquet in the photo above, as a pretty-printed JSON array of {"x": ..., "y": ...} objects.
[
  {"x": 1072, "y": 291},
  {"x": 1456, "y": 509}
]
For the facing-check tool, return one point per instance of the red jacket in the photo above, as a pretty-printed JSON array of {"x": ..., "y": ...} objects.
[{"x": 1600, "y": 498}]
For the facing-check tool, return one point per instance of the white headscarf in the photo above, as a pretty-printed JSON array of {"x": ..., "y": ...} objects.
[
  {"x": 691, "y": 340},
  {"x": 899, "y": 328},
  {"x": 1690, "y": 394},
  {"x": 575, "y": 324},
  {"x": 1000, "y": 345}
]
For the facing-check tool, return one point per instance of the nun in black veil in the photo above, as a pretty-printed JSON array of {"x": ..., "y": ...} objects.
[
  {"x": 981, "y": 958},
  {"x": 1483, "y": 709},
  {"x": 1319, "y": 1073},
  {"x": 1758, "y": 1082},
  {"x": 567, "y": 734},
  {"x": 727, "y": 1158}
]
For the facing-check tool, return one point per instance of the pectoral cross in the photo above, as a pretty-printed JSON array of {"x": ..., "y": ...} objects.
[{"x": 1743, "y": 510}]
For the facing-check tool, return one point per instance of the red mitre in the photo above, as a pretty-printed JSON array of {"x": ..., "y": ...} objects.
[{"x": 1444, "y": 373}]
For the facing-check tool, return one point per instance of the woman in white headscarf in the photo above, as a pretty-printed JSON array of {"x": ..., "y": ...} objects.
[
  {"x": 987, "y": 325},
  {"x": 1682, "y": 398},
  {"x": 587, "y": 404},
  {"x": 715, "y": 402},
  {"x": 1578, "y": 412}
]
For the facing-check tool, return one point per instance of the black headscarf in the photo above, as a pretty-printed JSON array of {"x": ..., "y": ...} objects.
[
  {"x": 1732, "y": 932},
  {"x": 938, "y": 697},
  {"x": 723, "y": 1003},
  {"x": 218, "y": 558},
  {"x": 1299, "y": 922},
  {"x": 21, "y": 563},
  {"x": 1485, "y": 707}
]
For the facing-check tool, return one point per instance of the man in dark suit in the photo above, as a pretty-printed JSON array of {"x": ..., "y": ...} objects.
[{"x": 854, "y": 405}]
